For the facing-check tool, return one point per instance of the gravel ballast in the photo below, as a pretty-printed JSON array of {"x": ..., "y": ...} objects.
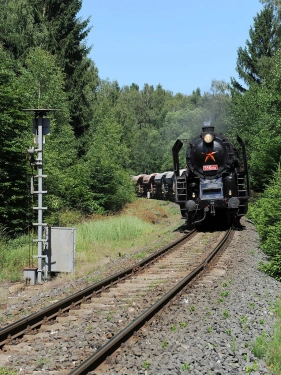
[{"x": 209, "y": 329}]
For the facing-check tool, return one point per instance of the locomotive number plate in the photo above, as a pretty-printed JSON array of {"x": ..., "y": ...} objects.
[{"x": 210, "y": 167}]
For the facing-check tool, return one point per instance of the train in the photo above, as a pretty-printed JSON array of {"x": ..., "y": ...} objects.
[
  {"x": 216, "y": 181},
  {"x": 156, "y": 185},
  {"x": 213, "y": 185}
]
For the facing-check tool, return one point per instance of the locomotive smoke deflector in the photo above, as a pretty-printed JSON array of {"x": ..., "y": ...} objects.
[{"x": 175, "y": 151}]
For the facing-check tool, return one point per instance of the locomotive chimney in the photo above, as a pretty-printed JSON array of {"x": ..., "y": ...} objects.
[{"x": 208, "y": 129}]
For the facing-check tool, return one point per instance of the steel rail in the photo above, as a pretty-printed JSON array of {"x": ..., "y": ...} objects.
[
  {"x": 96, "y": 359},
  {"x": 35, "y": 320}
]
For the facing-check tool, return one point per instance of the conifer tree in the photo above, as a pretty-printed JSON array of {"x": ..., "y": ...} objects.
[
  {"x": 53, "y": 25},
  {"x": 255, "y": 60},
  {"x": 66, "y": 35},
  {"x": 276, "y": 3},
  {"x": 17, "y": 31},
  {"x": 13, "y": 137}
]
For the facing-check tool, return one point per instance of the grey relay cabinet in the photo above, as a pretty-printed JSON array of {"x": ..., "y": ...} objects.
[{"x": 60, "y": 249}]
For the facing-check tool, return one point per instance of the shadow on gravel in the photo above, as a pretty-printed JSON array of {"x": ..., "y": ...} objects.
[
  {"x": 182, "y": 229},
  {"x": 210, "y": 224}
]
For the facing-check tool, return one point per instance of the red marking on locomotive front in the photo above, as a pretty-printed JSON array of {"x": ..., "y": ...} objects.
[
  {"x": 210, "y": 167},
  {"x": 209, "y": 155}
]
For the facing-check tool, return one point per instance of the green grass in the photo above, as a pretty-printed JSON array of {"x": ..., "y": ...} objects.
[
  {"x": 228, "y": 331},
  {"x": 225, "y": 314},
  {"x": 185, "y": 366},
  {"x": 14, "y": 256},
  {"x": 173, "y": 328},
  {"x": 273, "y": 355},
  {"x": 269, "y": 348},
  {"x": 225, "y": 294},
  {"x": 146, "y": 364},
  {"x": 114, "y": 229},
  {"x": 99, "y": 239},
  {"x": 5, "y": 371},
  {"x": 108, "y": 238},
  {"x": 260, "y": 345},
  {"x": 140, "y": 255},
  {"x": 164, "y": 344}
]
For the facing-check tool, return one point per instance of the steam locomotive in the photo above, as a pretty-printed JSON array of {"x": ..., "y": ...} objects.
[{"x": 215, "y": 181}]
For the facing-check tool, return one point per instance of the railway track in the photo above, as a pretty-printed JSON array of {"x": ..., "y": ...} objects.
[{"x": 111, "y": 310}]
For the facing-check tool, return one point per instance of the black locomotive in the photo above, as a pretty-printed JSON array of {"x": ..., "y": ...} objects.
[{"x": 216, "y": 181}]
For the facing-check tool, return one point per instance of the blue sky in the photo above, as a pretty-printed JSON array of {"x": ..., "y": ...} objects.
[{"x": 181, "y": 44}]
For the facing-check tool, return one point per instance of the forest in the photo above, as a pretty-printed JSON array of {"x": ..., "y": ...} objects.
[{"x": 104, "y": 133}]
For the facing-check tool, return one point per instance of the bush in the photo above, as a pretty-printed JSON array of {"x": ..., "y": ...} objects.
[{"x": 266, "y": 215}]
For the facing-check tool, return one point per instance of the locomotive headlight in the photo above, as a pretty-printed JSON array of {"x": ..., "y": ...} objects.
[
  {"x": 229, "y": 193},
  {"x": 208, "y": 138}
]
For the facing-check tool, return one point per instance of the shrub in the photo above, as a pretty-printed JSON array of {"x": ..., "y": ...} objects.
[{"x": 266, "y": 215}]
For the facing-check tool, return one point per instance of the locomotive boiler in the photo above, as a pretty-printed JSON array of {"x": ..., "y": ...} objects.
[{"x": 215, "y": 183}]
